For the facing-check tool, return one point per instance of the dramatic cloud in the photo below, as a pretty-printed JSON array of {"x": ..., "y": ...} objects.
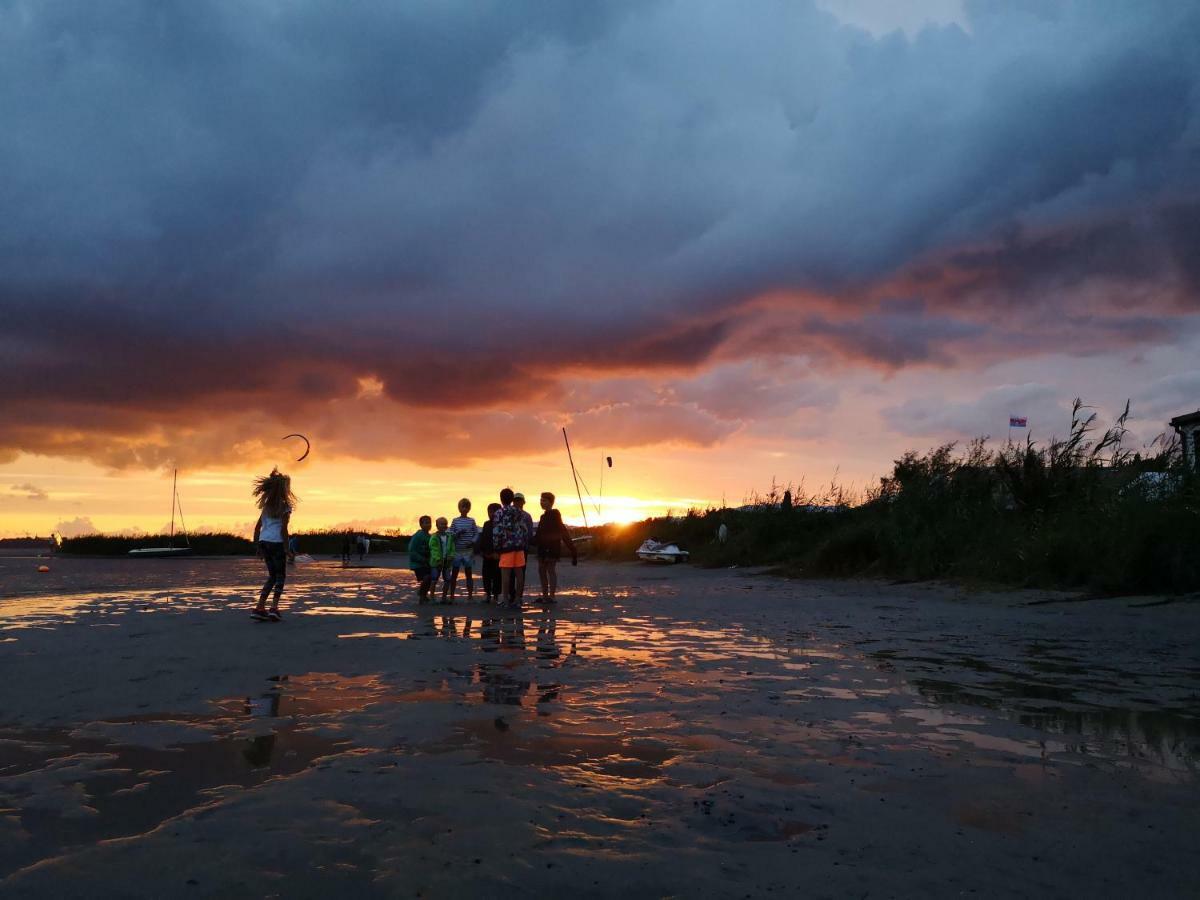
[{"x": 224, "y": 219}]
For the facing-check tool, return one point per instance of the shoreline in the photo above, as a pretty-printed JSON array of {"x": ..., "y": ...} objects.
[{"x": 398, "y": 562}]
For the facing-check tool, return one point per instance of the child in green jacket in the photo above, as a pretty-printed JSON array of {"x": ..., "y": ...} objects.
[{"x": 441, "y": 553}]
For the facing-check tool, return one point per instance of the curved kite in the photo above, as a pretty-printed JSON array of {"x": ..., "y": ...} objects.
[{"x": 307, "y": 445}]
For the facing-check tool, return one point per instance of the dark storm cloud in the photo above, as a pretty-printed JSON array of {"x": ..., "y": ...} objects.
[
  {"x": 1155, "y": 247},
  {"x": 231, "y": 210},
  {"x": 898, "y": 334}
]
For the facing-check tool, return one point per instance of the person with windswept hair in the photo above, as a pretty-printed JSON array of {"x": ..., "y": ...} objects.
[{"x": 273, "y": 494}]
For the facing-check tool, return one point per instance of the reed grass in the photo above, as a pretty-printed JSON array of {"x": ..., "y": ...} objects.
[{"x": 1083, "y": 512}]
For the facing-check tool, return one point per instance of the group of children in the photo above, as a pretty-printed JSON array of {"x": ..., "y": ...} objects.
[{"x": 504, "y": 542}]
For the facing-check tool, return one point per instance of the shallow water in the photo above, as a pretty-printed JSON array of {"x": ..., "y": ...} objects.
[{"x": 731, "y": 711}]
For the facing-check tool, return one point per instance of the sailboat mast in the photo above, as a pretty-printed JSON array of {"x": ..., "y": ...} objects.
[
  {"x": 174, "y": 479},
  {"x": 578, "y": 493}
]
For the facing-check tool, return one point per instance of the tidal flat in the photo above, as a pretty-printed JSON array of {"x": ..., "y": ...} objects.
[{"x": 658, "y": 733}]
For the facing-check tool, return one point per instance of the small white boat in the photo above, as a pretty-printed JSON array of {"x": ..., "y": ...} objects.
[
  {"x": 658, "y": 552},
  {"x": 161, "y": 552}
]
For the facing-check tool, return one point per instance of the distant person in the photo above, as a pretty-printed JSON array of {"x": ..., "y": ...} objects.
[
  {"x": 465, "y": 532},
  {"x": 510, "y": 536},
  {"x": 519, "y": 503},
  {"x": 293, "y": 549},
  {"x": 363, "y": 545},
  {"x": 275, "y": 500},
  {"x": 552, "y": 536},
  {"x": 491, "y": 558},
  {"x": 441, "y": 552},
  {"x": 418, "y": 558},
  {"x": 347, "y": 548}
]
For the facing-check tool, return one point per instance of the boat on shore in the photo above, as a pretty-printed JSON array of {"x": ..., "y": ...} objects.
[
  {"x": 171, "y": 550},
  {"x": 658, "y": 552}
]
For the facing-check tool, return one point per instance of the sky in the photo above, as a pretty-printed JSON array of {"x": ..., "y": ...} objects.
[{"x": 725, "y": 244}]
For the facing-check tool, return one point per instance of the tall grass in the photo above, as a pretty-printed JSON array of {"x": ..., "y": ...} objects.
[{"x": 1080, "y": 512}]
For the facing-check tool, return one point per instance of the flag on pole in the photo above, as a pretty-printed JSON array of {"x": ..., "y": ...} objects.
[{"x": 1017, "y": 421}]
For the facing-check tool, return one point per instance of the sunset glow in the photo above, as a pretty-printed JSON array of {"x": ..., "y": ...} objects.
[{"x": 782, "y": 246}]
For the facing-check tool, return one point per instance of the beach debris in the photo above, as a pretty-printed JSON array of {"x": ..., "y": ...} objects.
[
  {"x": 43, "y": 568},
  {"x": 307, "y": 445}
]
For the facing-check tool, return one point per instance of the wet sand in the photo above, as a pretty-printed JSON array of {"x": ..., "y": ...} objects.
[{"x": 662, "y": 732}]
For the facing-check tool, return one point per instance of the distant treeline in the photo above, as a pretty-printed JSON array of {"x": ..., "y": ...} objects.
[
  {"x": 318, "y": 543},
  {"x": 206, "y": 544},
  {"x": 1079, "y": 513},
  {"x": 24, "y": 543}
]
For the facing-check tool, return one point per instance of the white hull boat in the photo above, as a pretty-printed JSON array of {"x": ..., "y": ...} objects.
[
  {"x": 160, "y": 552},
  {"x": 657, "y": 552}
]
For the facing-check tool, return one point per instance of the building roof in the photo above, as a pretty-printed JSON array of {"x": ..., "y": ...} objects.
[{"x": 1192, "y": 418}]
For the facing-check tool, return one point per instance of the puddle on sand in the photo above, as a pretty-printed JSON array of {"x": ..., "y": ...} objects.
[
  {"x": 65, "y": 788},
  {"x": 587, "y": 754},
  {"x": 66, "y": 791},
  {"x": 1030, "y": 717},
  {"x": 319, "y": 694},
  {"x": 1166, "y": 738}
]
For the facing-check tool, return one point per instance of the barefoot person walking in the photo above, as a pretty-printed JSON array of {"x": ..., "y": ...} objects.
[{"x": 273, "y": 494}]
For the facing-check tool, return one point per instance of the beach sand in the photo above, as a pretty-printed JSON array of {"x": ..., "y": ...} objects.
[{"x": 662, "y": 732}]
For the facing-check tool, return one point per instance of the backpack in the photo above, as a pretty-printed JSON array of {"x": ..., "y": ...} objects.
[{"x": 509, "y": 531}]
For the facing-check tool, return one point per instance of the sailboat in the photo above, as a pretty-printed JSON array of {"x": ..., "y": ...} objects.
[
  {"x": 584, "y": 541},
  {"x": 171, "y": 550}
]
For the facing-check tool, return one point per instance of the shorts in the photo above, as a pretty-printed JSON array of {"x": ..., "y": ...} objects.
[
  {"x": 464, "y": 561},
  {"x": 549, "y": 553},
  {"x": 423, "y": 573},
  {"x": 513, "y": 559}
]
